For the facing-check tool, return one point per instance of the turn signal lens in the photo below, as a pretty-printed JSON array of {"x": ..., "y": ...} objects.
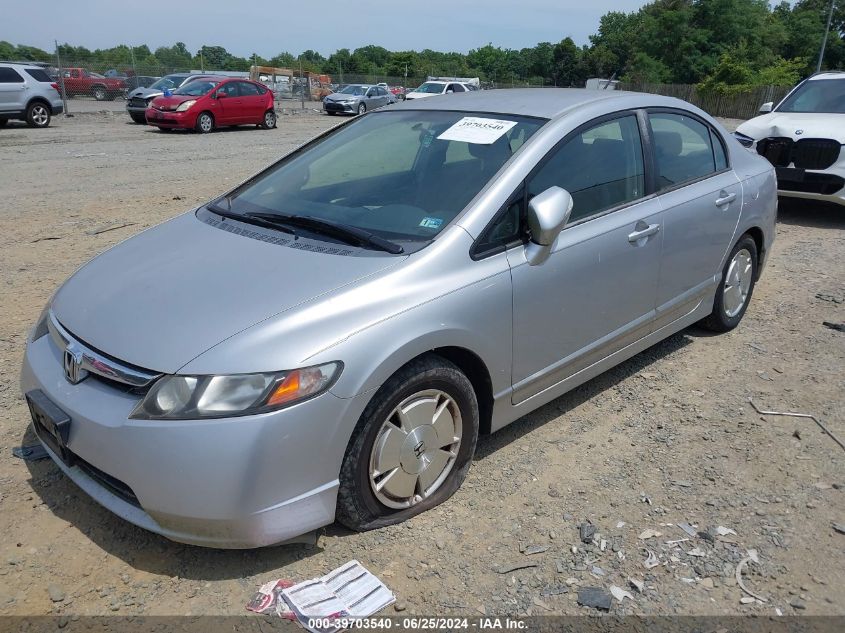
[{"x": 302, "y": 383}]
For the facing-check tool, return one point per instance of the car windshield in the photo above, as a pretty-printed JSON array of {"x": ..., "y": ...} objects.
[
  {"x": 817, "y": 95},
  {"x": 431, "y": 88},
  {"x": 196, "y": 88},
  {"x": 354, "y": 90},
  {"x": 168, "y": 82},
  {"x": 401, "y": 175}
]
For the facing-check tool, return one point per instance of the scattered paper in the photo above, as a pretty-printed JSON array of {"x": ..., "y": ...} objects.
[
  {"x": 268, "y": 598},
  {"x": 723, "y": 531}
]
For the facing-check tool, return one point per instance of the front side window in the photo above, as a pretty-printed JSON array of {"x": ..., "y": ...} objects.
[
  {"x": 430, "y": 88},
  {"x": 601, "y": 167},
  {"x": 389, "y": 174},
  {"x": 817, "y": 96},
  {"x": 168, "y": 82},
  {"x": 355, "y": 91},
  {"x": 682, "y": 149}
]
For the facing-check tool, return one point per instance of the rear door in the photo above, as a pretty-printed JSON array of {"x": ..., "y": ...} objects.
[
  {"x": 253, "y": 101},
  {"x": 596, "y": 292},
  {"x": 12, "y": 90},
  {"x": 702, "y": 199}
]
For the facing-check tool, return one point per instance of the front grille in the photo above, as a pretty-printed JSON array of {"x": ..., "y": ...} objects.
[
  {"x": 808, "y": 182},
  {"x": 112, "y": 484},
  {"x": 808, "y": 153},
  {"x": 138, "y": 103}
]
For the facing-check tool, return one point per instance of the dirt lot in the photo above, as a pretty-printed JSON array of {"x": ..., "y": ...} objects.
[{"x": 667, "y": 437}]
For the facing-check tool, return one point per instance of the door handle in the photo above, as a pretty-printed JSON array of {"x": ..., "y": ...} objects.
[
  {"x": 726, "y": 198},
  {"x": 636, "y": 236}
]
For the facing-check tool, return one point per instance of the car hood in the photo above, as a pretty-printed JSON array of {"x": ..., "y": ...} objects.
[
  {"x": 162, "y": 298},
  {"x": 336, "y": 96},
  {"x": 172, "y": 102},
  {"x": 787, "y": 124},
  {"x": 421, "y": 95},
  {"x": 145, "y": 93}
]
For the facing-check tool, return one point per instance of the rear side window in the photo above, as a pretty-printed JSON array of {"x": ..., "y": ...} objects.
[
  {"x": 248, "y": 90},
  {"x": 718, "y": 151},
  {"x": 10, "y": 76},
  {"x": 682, "y": 149},
  {"x": 601, "y": 167},
  {"x": 38, "y": 75}
]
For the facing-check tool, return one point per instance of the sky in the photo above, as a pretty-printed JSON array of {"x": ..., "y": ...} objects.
[{"x": 267, "y": 27}]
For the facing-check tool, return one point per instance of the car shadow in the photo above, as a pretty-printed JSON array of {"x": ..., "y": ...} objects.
[
  {"x": 150, "y": 552},
  {"x": 811, "y": 213},
  {"x": 151, "y": 129},
  {"x": 142, "y": 549}
]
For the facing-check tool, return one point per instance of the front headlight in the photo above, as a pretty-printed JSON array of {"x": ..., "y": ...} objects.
[
  {"x": 185, "y": 105},
  {"x": 197, "y": 397},
  {"x": 745, "y": 141}
]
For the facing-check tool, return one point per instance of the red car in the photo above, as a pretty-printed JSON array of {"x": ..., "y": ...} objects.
[{"x": 204, "y": 104}]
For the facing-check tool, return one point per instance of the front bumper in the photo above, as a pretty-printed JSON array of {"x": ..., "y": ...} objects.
[
  {"x": 827, "y": 185},
  {"x": 231, "y": 483},
  {"x": 160, "y": 118},
  {"x": 333, "y": 106}
]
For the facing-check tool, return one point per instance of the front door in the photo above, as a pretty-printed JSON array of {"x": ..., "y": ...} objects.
[
  {"x": 702, "y": 198},
  {"x": 229, "y": 108},
  {"x": 596, "y": 292}
]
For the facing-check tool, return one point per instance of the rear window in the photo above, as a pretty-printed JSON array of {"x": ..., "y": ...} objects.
[{"x": 38, "y": 75}]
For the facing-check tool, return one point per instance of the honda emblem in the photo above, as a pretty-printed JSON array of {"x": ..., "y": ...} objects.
[{"x": 73, "y": 364}]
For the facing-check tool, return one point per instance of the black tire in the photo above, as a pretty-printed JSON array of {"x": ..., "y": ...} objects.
[
  {"x": 362, "y": 107},
  {"x": 3, "y": 122},
  {"x": 357, "y": 506},
  {"x": 330, "y": 113},
  {"x": 139, "y": 118},
  {"x": 719, "y": 320},
  {"x": 269, "y": 121},
  {"x": 99, "y": 93},
  {"x": 201, "y": 125},
  {"x": 38, "y": 114},
  {"x": 164, "y": 129}
]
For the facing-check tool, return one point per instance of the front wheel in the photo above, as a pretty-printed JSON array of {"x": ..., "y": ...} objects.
[
  {"x": 139, "y": 118},
  {"x": 269, "y": 121},
  {"x": 38, "y": 115},
  {"x": 362, "y": 108},
  {"x": 412, "y": 447},
  {"x": 735, "y": 288},
  {"x": 205, "y": 123},
  {"x": 100, "y": 93}
]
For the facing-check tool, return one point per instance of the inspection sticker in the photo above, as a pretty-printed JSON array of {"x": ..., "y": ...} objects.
[
  {"x": 431, "y": 223},
  {"x": 473, "y": 129}
]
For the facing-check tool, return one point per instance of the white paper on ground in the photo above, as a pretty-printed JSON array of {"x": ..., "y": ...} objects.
[{"x": 473, "y": 129}]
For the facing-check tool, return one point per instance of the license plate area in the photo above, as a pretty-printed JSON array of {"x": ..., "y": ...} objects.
[{"x": 51, "y": 424}]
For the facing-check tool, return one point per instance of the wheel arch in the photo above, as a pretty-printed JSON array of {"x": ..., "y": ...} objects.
[
  {"x": 38, "y": 99},
  {"x": 756, "y": 233}
]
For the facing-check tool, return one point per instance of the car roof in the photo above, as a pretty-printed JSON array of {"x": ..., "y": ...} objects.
[
  {"x": 22, "y": 65},
  {"x": 546, "y": 103},
  {"x": 828, "y": 74}
]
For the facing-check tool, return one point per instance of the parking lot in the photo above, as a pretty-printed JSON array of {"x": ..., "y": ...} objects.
[{"x": 667, "y": 437}]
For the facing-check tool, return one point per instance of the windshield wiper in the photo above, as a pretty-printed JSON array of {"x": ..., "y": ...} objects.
[
  {"x": 344, "y": 232},
  {"x": 250, "y": 219}
]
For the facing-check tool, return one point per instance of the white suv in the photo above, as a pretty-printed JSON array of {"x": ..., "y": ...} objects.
[
  {"x": 431, "y": 88},
  {"x": 803, "y": 137},
  {"x": 27, "y": 93}
]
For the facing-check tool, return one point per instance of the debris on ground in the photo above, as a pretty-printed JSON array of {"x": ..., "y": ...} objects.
[
  {"x": 647, "y": 534},
  {"x": 508, "y": 568},
  {"x": 801, "y": 415},
  {"x": 839, "y": 327},
  {"x": 651, "y": 560},
  {"x": 620, "y": 593},
  {"x": 839, "y": 527},
  {"x": 268, "y": 596},
  {"x": 686, "y": 527},
  {"x": 31, "y": 453},
  {"x": 587, "y": 531},
  {"x": 751, "y": 557},
  {"x": 723, "y": 531},
  {"x": 637, "y": 584},
  {"x": 595, "y": 597},
  {"x": 530, "y": 550}
]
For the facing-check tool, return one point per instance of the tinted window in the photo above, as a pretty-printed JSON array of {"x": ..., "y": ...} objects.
[
  {"x": 504, "y": 230},
  {"x": 817, "y": 95},
  {"x": 248, "y": 90},
  {"x": 718, "y": 151},
  {"x": 10, "y": 76},
  {"x": 456, "y": 88},
  {"x": 600, "y": 167},
  {"x": 38, "y": 75},
  {"x": 682, "y": 149}
]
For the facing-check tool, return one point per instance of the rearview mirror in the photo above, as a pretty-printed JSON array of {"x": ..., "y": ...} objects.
[
  {"x": 766, "y": 107},
  {"x": 548, "y": 213}
]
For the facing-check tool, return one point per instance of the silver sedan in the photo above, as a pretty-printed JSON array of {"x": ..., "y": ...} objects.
[
  {"x": 356, "y": 99},
  {"x": 329, "y": 339}
]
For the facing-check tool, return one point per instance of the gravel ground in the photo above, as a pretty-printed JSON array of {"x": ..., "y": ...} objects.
[{"x": 666, "y": 438}]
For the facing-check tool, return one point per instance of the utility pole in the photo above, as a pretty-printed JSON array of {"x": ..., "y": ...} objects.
[
  {"x": 824, "y": 41},
  {"x": 61, "y": 79},
  {"x": 301, "y": 81},
  {"x": 202, "y": 63}
]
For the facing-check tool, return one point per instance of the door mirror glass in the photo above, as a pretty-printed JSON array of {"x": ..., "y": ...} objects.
[
  {"x": 766, "y": 107},
  {"x": 548, "y": 213}
]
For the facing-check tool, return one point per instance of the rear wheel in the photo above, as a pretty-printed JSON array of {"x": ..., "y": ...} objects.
[
  {"x": 38, "y": 115},
  {"x": 205, "y": 123},
  {"x": 412, "y": 447},
  {"x": 269, "y": 121},
  {"x": 735, "y": 287},
  {"x": 99, "y": 93}
]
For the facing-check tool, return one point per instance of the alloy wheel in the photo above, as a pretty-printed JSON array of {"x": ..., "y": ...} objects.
[
  {"x": 415, "y": 449},
  {"x": 40, "y": 116},
  {"x": 737, "y": 283}
]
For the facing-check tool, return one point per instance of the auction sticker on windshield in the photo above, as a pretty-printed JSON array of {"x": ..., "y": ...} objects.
[{"x": 478, "y": 130}]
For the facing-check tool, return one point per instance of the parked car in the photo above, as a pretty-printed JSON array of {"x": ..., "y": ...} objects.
[
  {"x": 328, "y": 339},
  {"x": 432, "y": 88},
  {"x": 27, "y": 93},
  {"x": 138, "y": 100},
  {"x": 803, "y": 137},
  {"x": 356, "y": 99},
  {"x": 391, "y": 96},
  {"x": 205, "y": 104},
  {"x": 138, "y": 81},
  {"x": 80, "y": 82}
]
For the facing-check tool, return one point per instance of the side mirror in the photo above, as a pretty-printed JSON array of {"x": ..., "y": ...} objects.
[
  {"x": 766, "y": 107},
  {"x": 548, "y": 213}
]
